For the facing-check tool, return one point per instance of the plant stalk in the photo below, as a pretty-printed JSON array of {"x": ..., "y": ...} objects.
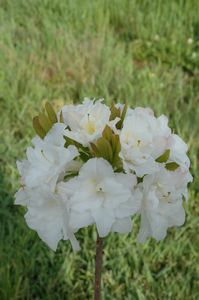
[{"x": 98, "y": 268}]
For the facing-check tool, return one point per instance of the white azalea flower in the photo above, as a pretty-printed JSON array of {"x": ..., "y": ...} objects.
[
  {"x": 143, "y": 139},
  {"x": 87, "y": 120},
  {"x": 162, "y": 203},
  {"x": 48, "y": 161},
  {"x": 100, "y": 196},
  {"x": 47, "y": 214}
]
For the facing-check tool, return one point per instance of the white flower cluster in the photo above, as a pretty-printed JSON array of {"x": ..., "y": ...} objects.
[{"x": 91, "y": 164}]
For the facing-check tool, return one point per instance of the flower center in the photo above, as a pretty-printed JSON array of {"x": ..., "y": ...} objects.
[
  {"x": 90, "y": 125},
  {"x": 164, "y": 196},
  {"x": 136, "y": 140}
]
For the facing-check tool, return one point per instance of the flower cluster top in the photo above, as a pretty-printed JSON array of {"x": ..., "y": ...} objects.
[{"x": 94, "y": 164}]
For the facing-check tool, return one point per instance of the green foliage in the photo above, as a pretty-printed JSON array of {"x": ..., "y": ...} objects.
[
  {"x": 108, "y": 147},
  {"x": 44, "y": 121},
  {"x": 171, "y": 166},
  {"x": 38, "y": 128},
  {"x": 143, "y": 52},
  {"x": 51, "y": 113},
  {"x": 164, "y": 157}
]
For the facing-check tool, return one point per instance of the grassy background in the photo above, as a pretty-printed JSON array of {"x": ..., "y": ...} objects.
[{"x": 145, "y": 52}]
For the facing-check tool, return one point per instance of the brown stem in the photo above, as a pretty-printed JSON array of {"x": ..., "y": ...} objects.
[{"x": 98, "y": 268}]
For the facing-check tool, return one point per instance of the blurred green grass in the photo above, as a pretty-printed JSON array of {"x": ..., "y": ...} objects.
[{"x": 145, "y": 52}]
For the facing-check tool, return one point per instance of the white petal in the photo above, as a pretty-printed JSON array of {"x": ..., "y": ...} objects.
[
  {"x": 104, "y": 220},
  {"x": 130, "y": 207},
  {"x": 74, "y": 242},
  {"x": 50, "y": 235},
  {"x": 159, "y": 225},
  {"x": 55, "y": 136},
  {"x": 96, "y": 168},
  {"x": 145, "y": 229},
  {"x": 21, "y": 197},
  {"x": 80, "y": 220},
  {"x": 128, "y": 180},
  {"x": 122, "y": 225}
]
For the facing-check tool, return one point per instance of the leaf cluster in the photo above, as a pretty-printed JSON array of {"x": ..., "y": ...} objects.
[
  {"x": 108, "y": 147},
  {"x": 171, "y": 166},
  {"x": 45, "y": 120}
]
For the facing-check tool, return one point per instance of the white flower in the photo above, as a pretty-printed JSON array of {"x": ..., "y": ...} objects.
[
  {"x": 162, "y": 202},
  {"x": 87, "y": 120},
  {"x": 143, "y": 139},
  {"x": 48, "y": 161},
  {"x": 99, "y": 195},
  {"x": 47, "y": 214},
  {"x": 46, "y": 164}
]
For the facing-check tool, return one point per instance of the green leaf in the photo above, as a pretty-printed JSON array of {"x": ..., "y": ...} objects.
[
  {"x": 116, "y": 146},
  {"x": 39, "y": 130},
  {"x": 95, "y": 150},
  {"x": 117, "y": 143},
  {"x": 171, "y": 166},
  {"x": 61, "y": 117},
  {"x": 164, "y": 157},
  {"x": 107, "y": 133},
  {"x": 124, "y": 111},
  {"x": 104, "y": 149},
  {"x": 51, "y": 113},
  {"x": 120, "y": 123},
  {"x": 44, "y": 122},
  {"x": 115, "y": 112},
  {"x": 85, "y": 156},
  {"x": 119, "y": 168},
  {"x": 123, "y": 114},
  {"x": 108, "y": 147},
  {"x": 69, "y": 142}
]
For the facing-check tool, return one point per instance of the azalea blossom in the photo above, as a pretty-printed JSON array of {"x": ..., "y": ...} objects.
[
  {"x": 47, "y": 214},
  {"x": 143, "y": 139},
  {"x": 100, "y": 196},
  {"x": 48, "y": 161},
  {"x": 86, "y": 121},
  {"x": 162, "y": 202}
]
